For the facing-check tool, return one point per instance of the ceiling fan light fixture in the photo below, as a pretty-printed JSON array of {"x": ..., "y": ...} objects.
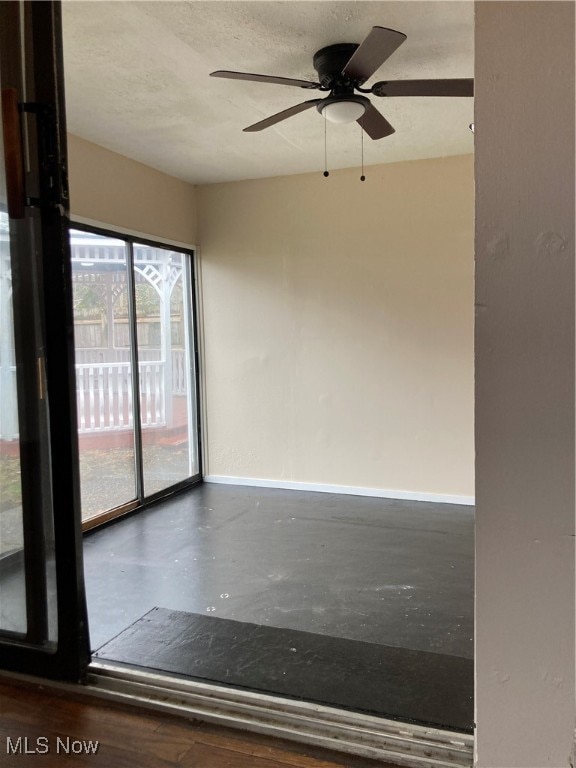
[
  {"x": 342, "y": 69},
  {"x": 343, "y": 111}
]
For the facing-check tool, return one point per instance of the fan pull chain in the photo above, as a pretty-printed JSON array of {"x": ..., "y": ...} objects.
[
  {"x": 362, "y": 177},
  {"x": 326, "y": 172}
]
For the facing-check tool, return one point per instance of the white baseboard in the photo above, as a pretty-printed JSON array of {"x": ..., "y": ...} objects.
[{"x": 352, "y": 490}]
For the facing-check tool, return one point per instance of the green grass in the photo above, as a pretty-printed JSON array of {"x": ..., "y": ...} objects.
[{"x": 10, "y": 492}]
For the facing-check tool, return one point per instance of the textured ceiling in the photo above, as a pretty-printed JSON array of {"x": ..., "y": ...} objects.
[{"x": 137, "y": 82}]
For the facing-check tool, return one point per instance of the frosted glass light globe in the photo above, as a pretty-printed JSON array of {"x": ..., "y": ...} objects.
[{"x": 343, "y": 111}]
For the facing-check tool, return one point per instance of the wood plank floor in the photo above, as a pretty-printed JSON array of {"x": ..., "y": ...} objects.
[{"x": 56, "y": 726}]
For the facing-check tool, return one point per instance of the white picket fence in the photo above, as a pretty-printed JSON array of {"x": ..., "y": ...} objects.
[
  {"x": 104, "y": 396},
  {"x": 104, "y": 393},
  {"x": 105, "y": 357}
]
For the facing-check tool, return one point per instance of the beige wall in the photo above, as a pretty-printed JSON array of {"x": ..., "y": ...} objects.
[
  {"x": 338, "y": 327},
  {"x": 524, "y": 115},
  {"x": 116, "y": 191}
]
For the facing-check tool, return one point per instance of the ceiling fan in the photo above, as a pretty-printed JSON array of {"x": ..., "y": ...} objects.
[{"x": 343, "y": 69}]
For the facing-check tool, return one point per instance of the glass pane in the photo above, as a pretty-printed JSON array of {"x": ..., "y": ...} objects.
[
  {"x": 167, "y": 387},
  {"x": 12, "y": 580},
  {"x": 104, "y": 387}
]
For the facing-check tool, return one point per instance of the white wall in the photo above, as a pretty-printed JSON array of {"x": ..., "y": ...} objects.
[
  {"x": 524, "y": 116},
  {"x": 338, "y": 327},
  {"x": 116, "y": 191}
]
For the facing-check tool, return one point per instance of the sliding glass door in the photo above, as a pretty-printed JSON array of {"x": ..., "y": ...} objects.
[
  {"x": 133, "y": 311},
  {"x": 104, "y": 372},
  {"x": 165, "y": 334},
  {"x": 43, "y": 621},
  {"x": 12, "y": 582}
]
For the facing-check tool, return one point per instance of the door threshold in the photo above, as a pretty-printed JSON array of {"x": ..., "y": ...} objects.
[{"x": 398, "y": 743}]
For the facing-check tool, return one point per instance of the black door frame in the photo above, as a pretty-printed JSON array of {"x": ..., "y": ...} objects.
[{"x": 36, "y": 28}]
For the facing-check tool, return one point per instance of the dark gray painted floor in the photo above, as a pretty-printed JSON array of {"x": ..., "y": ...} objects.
[
  {"x": 395, "y": 573},
  {"x": 428, "y": 688}
]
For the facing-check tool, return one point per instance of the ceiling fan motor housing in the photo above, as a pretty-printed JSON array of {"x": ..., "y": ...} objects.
[{"x": 329, "y": 63}]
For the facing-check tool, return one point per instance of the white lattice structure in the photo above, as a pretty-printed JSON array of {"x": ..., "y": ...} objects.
[{"x": 104, "y": 374}]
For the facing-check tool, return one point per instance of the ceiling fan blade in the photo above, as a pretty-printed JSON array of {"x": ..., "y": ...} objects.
[
  {"x": 375, "y": 124},
  {"x": 462, "y": 87},
  {"x": 279, "y": 116},
  {"x": 264, "y": 78},
  {"x": 372, "y": 53}
]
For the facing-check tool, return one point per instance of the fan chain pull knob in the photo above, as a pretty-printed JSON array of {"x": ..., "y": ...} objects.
[{"x": 326, "y": 174}]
